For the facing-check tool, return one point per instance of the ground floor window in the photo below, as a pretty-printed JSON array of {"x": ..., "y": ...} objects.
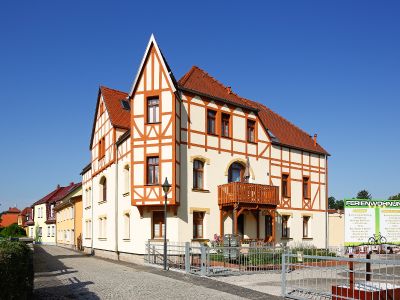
[
  {"x": 285, "y": 227},
  {"x": 88, "y": 229},
  {"x": 158, "y": 224},
  {"x": 103, "y": 227},
  {"x": 198, "y": 218},
  {"x": 48, "y": 231},
  {"x": 127, "y": 225},
  {"x": 40, "y": 231},
  {"x": 268, "y": 226},
  {"x": 53, "y": 230},
  {"x": 306, "y": 220}
]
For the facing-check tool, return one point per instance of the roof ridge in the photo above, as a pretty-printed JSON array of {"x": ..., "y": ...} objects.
[
  {"x": 221, "y": 84},
  {"x": 187, "y": 75},
  {"x": 115, "y": 90}
]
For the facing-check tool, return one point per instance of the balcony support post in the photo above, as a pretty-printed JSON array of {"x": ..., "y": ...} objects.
[
  {"x": 256, "y": 215},
  {"x": 235, "y": 220},
  {"x": 221, "y": 222}
]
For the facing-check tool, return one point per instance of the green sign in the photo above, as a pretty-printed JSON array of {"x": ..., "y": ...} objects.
[{"x": 372, "y": 222}]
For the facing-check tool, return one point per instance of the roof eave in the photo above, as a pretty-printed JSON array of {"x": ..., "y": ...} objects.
[{"x": 300, "y": 148}]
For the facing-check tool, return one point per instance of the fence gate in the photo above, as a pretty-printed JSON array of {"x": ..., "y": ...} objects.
[{"x": 330, "y": 277}]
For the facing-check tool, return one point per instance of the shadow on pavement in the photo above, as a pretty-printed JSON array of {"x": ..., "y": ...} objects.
[{"x": 47, "y": 286}]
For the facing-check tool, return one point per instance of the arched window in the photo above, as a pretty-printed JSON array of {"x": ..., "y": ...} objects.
[
  {"x": 198, "y": 174},
  {"x": 236, "y": 172},
  {"x": 103, "y": 190},
  {"x": 126, "y": 179}
]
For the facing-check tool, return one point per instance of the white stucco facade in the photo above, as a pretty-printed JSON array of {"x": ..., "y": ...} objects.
[{"x": 126, "y": 219}]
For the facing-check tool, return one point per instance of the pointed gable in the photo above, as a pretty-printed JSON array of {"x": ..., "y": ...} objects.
[
  {"x": 281, "y": 130},
  {"x": 119, "y": 117},
  {"x": 146, "y": 64}
]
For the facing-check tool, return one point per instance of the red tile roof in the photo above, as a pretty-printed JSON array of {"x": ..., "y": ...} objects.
[
  {"x": 119, "y": 117},
  {"x": 281, "y": 130},
  {"x": 59, "y": 193},
  {"x": 13, "y": 210}
]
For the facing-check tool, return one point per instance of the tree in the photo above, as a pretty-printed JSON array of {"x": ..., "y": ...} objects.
[
  {"x": 14, "y": 230},
  {"x": 395, "y": 197},
  {"x": 340, "y": 204},
  {"x": 332, "y": 202},
  {"x": 363, "y": 194}
]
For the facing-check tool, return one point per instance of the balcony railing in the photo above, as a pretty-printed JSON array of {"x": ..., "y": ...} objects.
[{"x": 247, "y": 193}]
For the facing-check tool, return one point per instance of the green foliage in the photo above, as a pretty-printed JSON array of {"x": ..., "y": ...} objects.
[
  {"x": 340, "y": 204},
  {"x": 332, "y": 202},
  {"x": 16, "y": 270},
  {"x": 37, "y": 238},
  {"x": 335, "y": 204},
  {"x": 13, "y": 231},
  {"x": 395, "y": 197},
  {"x": 363, "y": 194}
]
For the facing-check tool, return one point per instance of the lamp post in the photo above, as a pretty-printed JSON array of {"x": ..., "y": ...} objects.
[{"x": 166, "y": 186}]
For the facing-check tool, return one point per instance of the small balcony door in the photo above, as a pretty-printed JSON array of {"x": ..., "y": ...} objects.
[{"x": 236, "y": 173}]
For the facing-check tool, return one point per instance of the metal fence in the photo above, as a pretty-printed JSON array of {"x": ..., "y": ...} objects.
[
  {"x": 339, "y": 277},
  {"x": 217, "y": 259}
]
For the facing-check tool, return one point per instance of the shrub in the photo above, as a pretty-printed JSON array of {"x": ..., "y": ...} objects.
[
  {"x": 14, "y": 230},
  {"x": 16, "y": 270}
]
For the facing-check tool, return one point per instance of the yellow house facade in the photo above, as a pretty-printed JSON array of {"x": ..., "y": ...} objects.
[{"x": 69, "y": 219}]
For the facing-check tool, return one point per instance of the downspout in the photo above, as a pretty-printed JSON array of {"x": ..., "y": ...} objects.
[
  {"x": 326, "y": 204},
  {"x": 116, "y": 202},
  {"x": 91, "y": 223}
]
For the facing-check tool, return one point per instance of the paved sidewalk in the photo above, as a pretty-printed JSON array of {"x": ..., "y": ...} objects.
[{"x": 65, "y": 274}]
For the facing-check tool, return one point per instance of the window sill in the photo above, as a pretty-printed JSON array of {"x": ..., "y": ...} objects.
[
  {"x": 158, "y": 240},
  {"x": 88, "y": 238},
  {"x": 102, "y": 239},
  {"x": 126, "y": 240},
  {"x": 226, "y": 137},
  {"x": 200, "y": 190},
  {"x": 152, "y": 184},
  {"x": 250, "y": 142},
  {"x": 102, "y": 202},
  {"x": 201, "y": 240},
  {"x": 88, "y": 207},
  {"x": 125, "y": 194},
  {"x": 286, "y": 238},
  {"x": 212, "y": 134},
  {"x": 307, "y": 238},
  {"x": 152, "y": 123}
]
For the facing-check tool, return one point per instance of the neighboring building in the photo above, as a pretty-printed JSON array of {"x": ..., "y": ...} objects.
[
  {"x": 69, "y": 218},
  {"x": 25, "y": 218},
  {"x": 235, "y": 166},
  {"x": 336, "y": 228},
  {"x": 9, "y": 217},
  {"x": 44, "y": 228}
]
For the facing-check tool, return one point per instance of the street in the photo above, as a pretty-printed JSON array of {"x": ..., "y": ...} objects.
[{"x": 65, "y": 274}]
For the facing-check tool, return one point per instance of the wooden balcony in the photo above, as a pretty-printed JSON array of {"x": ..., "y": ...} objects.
[{"x": 247, "y": 193}]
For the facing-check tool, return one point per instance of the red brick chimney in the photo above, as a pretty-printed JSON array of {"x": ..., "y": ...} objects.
[
  {"x": 315, "y": 139},
  {"x": 229, "y": 89}
]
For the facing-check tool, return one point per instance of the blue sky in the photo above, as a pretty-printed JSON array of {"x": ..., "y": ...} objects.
[{"x": 330, "y": 67}]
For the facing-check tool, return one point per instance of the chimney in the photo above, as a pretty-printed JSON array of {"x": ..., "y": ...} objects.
[
  {"x": 229, "y": 89},
  {"x": 71, "y": 183},
  {"x": 315, "y": 139},
  {"x": 58, "y": 186}
]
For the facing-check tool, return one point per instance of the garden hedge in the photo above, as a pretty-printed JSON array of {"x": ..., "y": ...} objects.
[{"x": 16, "y": 270}]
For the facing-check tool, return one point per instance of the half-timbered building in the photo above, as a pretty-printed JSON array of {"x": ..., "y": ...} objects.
[{"x": 235, "y": 166}]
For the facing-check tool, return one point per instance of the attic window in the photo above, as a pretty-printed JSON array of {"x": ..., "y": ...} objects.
[{"x": 125, "y": 105}]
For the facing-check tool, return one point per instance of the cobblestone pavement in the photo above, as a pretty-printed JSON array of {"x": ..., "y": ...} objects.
[{"x": 65, "y": 274}]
